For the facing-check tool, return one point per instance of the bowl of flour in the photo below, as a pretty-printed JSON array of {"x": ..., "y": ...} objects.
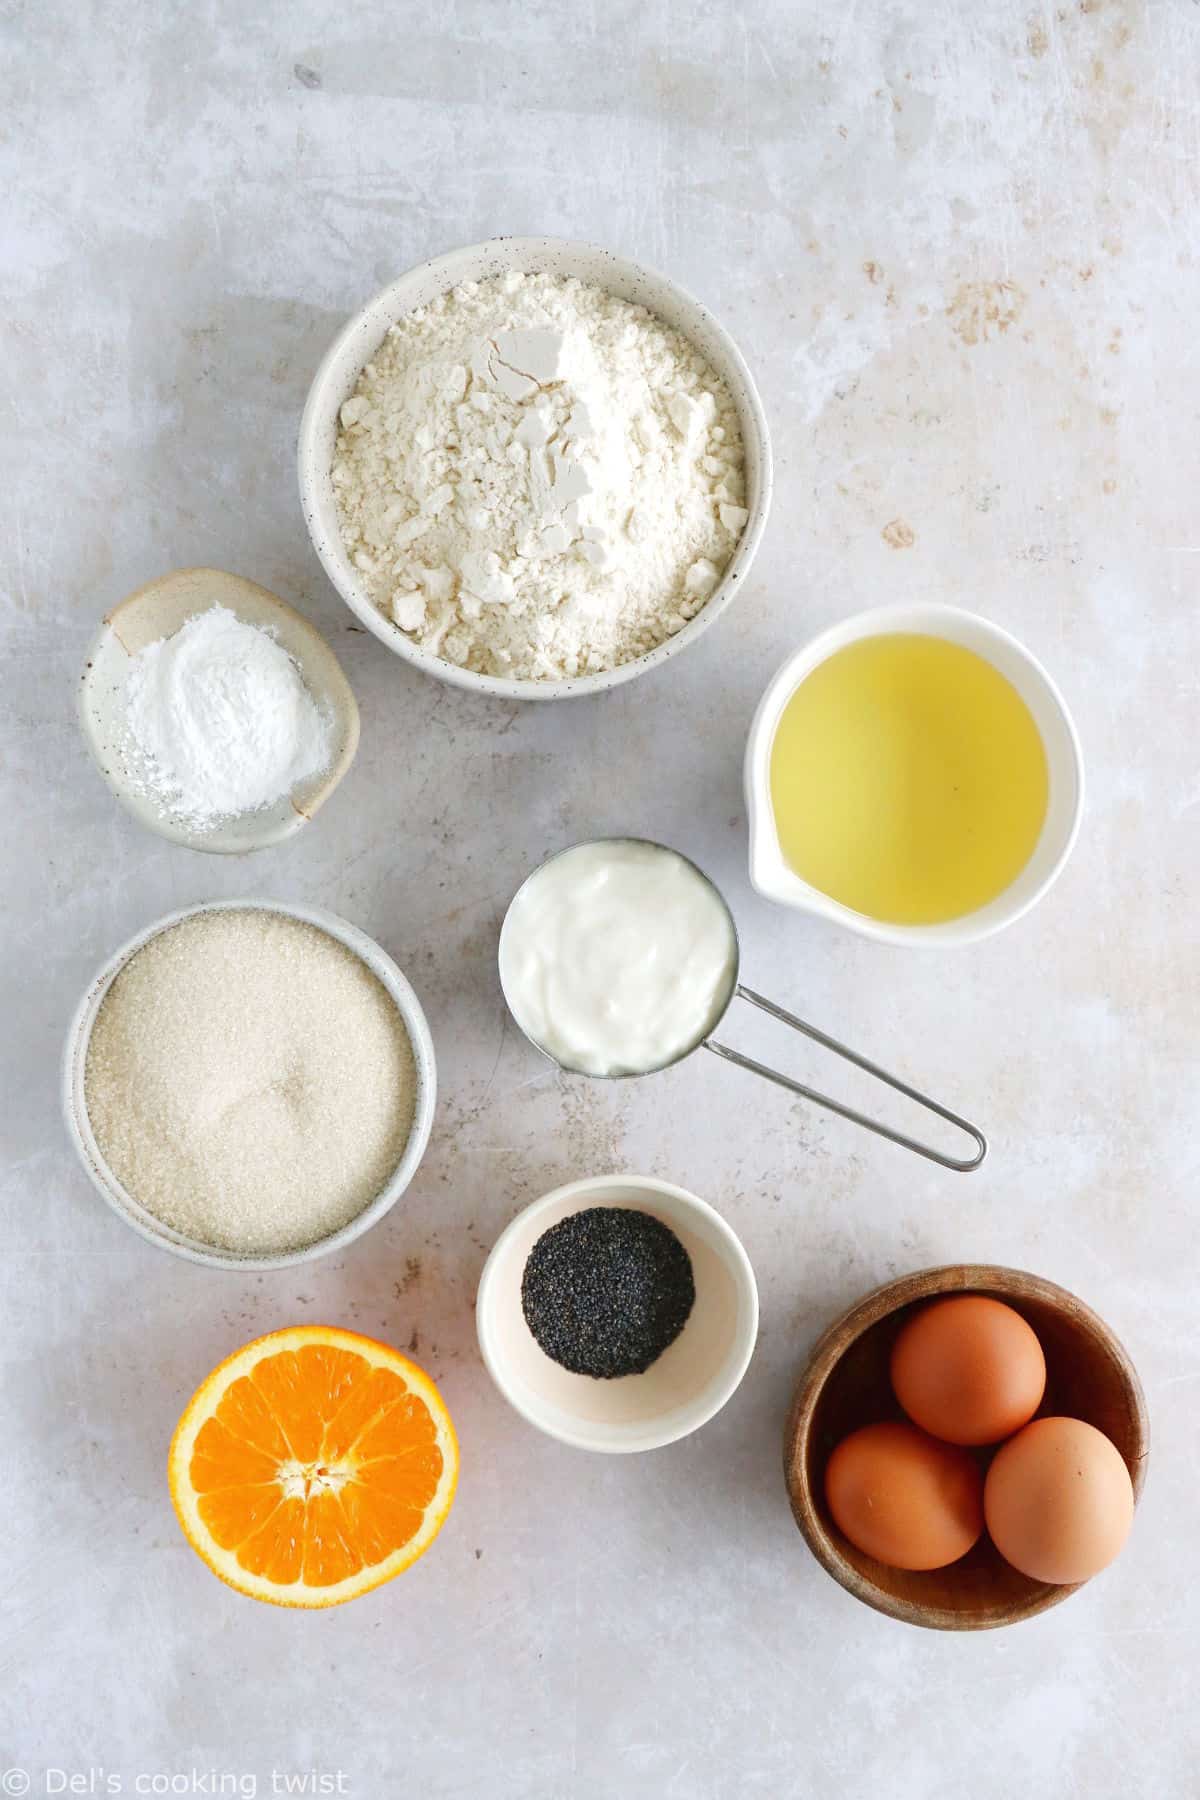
[{"x": 534, "y": 468}]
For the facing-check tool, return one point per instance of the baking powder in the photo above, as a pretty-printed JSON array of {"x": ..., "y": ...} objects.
[{"x": 220, "y": 721}]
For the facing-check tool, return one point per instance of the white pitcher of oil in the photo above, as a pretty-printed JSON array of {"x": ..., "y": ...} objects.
[{"x": 914, "y": 774}]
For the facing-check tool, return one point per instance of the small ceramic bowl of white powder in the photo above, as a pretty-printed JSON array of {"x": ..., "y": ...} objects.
[
  {"x": 249, "y": 1083},
  {"x": 217, "y": 714},
  {"x": 535, "y": 469}
]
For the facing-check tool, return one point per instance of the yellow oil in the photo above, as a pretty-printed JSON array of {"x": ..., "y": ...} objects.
[{"x": 908, "y": 779}]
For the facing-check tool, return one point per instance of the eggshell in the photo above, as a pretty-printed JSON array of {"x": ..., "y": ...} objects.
[
  {"x": 1058, "y": 1501},
  {"x": 968, "y": 1369},
  {"x": 904, "y": 1498}
]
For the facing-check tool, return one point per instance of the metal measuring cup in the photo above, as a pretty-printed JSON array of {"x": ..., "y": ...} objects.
[{"x": 736, "y": 991}]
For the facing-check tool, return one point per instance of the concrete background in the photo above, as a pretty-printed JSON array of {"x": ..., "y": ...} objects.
[{"x": 958, "y": 245}]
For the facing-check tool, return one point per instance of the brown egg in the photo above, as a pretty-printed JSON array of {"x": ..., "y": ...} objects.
[
  {"x": 904, "y": 1498},
  {"x": 968, "y": 1369},
  {"x": 1059, "y": 1501}
]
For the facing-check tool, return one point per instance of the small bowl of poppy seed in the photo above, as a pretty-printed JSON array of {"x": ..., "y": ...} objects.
[{"x": 617, "y": 1313}]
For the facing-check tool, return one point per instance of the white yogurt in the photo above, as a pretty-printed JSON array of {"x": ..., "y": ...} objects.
[{"x": 617, "y": 957}]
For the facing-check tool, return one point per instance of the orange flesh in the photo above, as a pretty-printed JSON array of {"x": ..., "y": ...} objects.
[{"x": 315, "y": 1466}]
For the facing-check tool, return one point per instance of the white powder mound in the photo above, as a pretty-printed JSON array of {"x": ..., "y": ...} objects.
[
  {"x": 219, "y": 721},
  {"x": 250, "y": 1081},
  {"x": 536, "y": 479}
]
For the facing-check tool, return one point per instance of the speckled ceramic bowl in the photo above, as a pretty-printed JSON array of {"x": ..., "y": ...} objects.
[
  {"x": 338, "y": 374},
  {"x": 145, "y": 1223}
]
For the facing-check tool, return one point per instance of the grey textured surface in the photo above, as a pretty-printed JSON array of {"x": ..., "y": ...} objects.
[{"x": 958, "y": 246}]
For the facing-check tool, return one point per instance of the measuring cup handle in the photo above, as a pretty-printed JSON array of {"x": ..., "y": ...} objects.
[{"x": 848, "y": 1112}]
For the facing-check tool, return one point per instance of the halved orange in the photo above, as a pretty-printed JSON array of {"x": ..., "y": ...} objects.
[{"x": 313, "y": 1465}]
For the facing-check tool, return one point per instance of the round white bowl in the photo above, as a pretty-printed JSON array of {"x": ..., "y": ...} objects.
[
  {"x": 691, "y": 1380},
  {"x": 772, "y": 876},
  {"x": 123, "y": 1202},
  {"x": 358, "y": 341}
]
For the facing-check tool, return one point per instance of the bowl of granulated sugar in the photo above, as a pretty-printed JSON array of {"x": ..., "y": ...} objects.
[
  {"x": 534, "y": 468},
  {"x": 250, "y": 1083}
]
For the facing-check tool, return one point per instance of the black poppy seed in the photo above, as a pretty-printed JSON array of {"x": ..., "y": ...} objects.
[{"x": 606, "y": 1290}]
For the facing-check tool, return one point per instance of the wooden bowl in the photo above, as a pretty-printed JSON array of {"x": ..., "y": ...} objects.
[{"x": 846, "y": 1384}]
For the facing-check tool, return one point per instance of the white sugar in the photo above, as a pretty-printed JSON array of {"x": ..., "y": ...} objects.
[{"x": 250, "y": 1081}]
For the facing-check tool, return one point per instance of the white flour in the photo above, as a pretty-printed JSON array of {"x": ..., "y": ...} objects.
[
  {"x": 537, "y": 479},
  {"x": 220, "y": 721}
]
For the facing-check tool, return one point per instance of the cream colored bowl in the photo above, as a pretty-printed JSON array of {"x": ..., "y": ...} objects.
[
  {"x": 691, "y": 1380},
  {"x": 83, "y": 1139},
  {"x": 159, "y": 610},
  {"x": 338, "y": 374}
]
